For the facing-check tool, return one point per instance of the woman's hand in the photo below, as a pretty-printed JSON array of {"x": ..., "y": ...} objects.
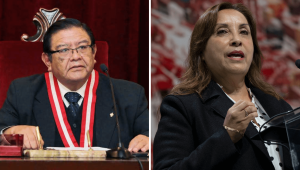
[{"x": 238, "y": 119}]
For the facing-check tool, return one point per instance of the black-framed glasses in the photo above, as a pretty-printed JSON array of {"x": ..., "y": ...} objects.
[{"x": 82, "y": 50}]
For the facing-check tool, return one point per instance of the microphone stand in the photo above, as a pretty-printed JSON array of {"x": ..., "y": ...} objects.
[{"x": 120, "y": 151}]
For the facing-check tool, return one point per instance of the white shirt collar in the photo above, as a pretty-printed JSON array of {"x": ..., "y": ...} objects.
[
  {"x": 248, "y": 89},
  {"x": 63, "y": 90}
]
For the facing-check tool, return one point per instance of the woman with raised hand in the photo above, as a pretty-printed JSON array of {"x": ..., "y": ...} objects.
[{"x": 209, "y": 118}]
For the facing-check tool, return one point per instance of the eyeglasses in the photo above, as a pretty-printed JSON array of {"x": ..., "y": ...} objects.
[{"x": 82, "y": 50}]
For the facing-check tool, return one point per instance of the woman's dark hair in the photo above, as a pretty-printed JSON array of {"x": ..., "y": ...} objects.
[
  {"x": 61, "y": 25},
  {"x": 198, "y": 76}
]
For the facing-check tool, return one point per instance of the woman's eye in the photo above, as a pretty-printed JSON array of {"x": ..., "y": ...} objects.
[
  {"x": 221, "y": 32},
  {"x": 245, "y": 32}
]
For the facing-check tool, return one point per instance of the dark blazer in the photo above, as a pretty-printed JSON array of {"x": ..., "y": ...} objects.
[
  {"x": 191, "y": 135},
  {"x": 27, "y": 103}
]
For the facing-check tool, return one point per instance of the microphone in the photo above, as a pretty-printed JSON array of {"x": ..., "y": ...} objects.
[
  {"x": 120, "y": 151},
  {"x": 298, "y": 63}
]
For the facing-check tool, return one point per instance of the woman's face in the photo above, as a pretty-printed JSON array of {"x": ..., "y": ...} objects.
[{"x": 229, "y": 51}]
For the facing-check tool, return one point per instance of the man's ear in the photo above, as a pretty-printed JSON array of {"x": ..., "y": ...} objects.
[
  {"x": 94, "y": 52},
  {"x": 47, "y": 62}
]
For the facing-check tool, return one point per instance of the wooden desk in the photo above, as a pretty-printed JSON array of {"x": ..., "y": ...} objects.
[{"x": 12, "y": 163}]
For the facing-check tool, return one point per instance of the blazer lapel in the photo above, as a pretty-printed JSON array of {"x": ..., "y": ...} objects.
[
  {"x": 104, "y": 123},
  {"x": 221, "y": 103},
  {"x": 267, "y": 102},
  {"x": 44, "y": 117}
]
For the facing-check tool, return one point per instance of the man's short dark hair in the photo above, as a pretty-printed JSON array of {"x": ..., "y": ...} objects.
[{"x": 62, "y": 25}]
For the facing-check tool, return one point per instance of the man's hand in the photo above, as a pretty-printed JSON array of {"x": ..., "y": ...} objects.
[
  {"x": 30, "y": 136},
  {"x": 140, "y": 142}
]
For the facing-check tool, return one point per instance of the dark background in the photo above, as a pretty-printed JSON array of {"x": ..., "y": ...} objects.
[{"x": 124, "y": 25}]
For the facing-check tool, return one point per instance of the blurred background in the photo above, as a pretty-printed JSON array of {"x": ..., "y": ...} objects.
[{"x": 278, "y": 33}]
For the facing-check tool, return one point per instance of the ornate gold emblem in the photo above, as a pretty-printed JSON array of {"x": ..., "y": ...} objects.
[{"x": 43, "y": 20}]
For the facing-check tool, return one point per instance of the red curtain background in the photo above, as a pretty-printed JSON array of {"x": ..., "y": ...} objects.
[{"x": 124, "y": 25}]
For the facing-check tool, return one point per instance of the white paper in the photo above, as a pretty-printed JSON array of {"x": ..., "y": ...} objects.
[{"x": 77, "y": 148}]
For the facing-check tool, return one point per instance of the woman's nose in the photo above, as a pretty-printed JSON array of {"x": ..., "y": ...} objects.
[
  {"x": 236, "y": 43},
  {"x": 236, "y": 40}
]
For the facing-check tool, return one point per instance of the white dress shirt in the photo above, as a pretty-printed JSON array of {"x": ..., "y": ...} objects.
[{"x": 63, "y": 90}]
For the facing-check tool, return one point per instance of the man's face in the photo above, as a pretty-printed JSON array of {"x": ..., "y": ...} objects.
[{"x": 73, "y": 68}]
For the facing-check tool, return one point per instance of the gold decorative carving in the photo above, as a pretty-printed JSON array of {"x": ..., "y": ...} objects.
[{"x": 43, "y": 20}]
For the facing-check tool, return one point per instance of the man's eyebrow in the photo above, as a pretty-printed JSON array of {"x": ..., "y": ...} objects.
[
  {"x": 66, "y": 45},
  {"x": 61, "y": 45},
  {"x": 83, "y": 41}
]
